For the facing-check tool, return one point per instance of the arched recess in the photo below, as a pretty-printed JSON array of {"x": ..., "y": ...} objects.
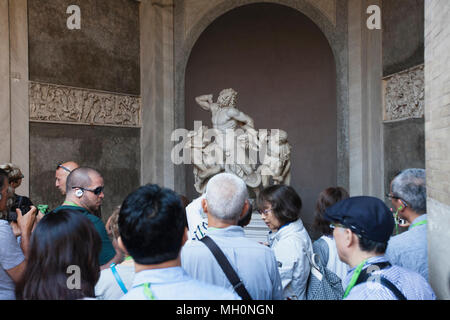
[{"x": 320, "y": 158}]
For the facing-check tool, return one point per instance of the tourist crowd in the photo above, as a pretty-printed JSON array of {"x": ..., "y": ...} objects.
[{"x": 157, "y": 245}]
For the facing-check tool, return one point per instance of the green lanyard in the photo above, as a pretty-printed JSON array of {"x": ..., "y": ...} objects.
[
  {"x": 396, "y": 221},
  {"x": 419, "y": 223},
  {"x": 147, "y": 292},
  {"x": 128, "y": 258},
  {"x": 354, "y": 278},
  {"x": 70, "y": 203}
]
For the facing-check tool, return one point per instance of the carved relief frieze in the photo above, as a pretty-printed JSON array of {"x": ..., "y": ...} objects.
[
  {"x": 404, "y": 94},
  {"x": 55, "y": 103}
]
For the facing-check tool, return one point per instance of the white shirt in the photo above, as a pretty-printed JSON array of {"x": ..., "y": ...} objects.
[
  {"x": 290, "y": 244},
  {"x": 175, "y": 284},
  {"x": 107, "y": 287},
  {"x": 197, "y": 222}
]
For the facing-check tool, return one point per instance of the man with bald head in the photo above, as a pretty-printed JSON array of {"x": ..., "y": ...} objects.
[
  {"x": 62, "y": 172},
  {"x": 84, "y": 194}
]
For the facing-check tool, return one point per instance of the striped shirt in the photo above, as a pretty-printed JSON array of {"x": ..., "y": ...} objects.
[
  {"x": 411, "y": 284},
  {"x": 253, "y": 262},
  {"x": 410, "y": 248}
]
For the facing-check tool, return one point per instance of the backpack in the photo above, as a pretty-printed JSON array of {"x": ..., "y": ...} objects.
[{"x": 323, "y": 284}]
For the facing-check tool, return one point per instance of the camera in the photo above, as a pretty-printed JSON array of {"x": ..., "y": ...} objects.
[{"x": 21, "y": 202}]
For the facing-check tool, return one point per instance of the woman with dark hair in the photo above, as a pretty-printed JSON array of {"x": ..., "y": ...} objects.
[
  {"x": 63, "y": 259},
  {"x": 279, "y": 206},
  {"x": 325, "y": 246}
]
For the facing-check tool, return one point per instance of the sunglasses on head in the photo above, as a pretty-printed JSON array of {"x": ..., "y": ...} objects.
[{"x": 64, "y": 168}]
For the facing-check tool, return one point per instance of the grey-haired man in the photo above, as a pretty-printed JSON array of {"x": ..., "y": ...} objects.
[
  {"x": 226, "y": 201},
  {"x": 409, "y": 199}
]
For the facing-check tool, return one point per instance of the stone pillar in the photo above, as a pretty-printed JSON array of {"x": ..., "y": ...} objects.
[
  {"x": 437, "y": 147},
  {"x": 14, "y": 109},
  {"x": 19, "y": 90},
  {"x": 157, "y": 91},
  {"x": 5, "y": 111},
  {"x": 365, "y": 102}
]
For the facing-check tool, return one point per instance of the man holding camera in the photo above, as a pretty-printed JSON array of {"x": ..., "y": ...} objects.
[{"x": 12, "y": 256}]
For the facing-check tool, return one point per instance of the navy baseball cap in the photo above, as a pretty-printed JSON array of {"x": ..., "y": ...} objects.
[{"x": 367, "y": 216}]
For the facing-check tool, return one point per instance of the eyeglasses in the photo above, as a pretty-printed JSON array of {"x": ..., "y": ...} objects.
[
  {"x": 64, "y": 168},
  {"x": 267, "y": 211},
  {"x": 392, "y": 196},
  {"x": 359, "y": 233},
  {"x": 95, "y": 191},
  {"x": 337, "y": 225}
]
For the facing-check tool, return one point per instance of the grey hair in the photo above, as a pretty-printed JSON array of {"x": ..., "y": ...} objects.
[
  {"x": 226, "y": 194},
  {"x": 410, "y": 185}
]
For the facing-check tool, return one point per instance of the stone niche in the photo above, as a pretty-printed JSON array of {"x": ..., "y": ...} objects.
[
  {"x": 283, "y": 67},
  {"x": 404, "y": 124}
]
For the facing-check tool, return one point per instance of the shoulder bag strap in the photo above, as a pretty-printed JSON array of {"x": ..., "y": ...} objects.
[
  {"x": 385, "y": 282},
  {"x": 118, "y": 278},
  {"x": 364, "y": 276},
  {"x": 232, "y": 276}
]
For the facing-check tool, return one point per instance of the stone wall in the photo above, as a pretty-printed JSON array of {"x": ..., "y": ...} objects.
[
  {"x": 14, "y": 87},
  {"x": 103, "y": 54},
  {"x": 403, "y": 153},
  {"x": 403, "y": 23},
  {"x": 437, "y": 137},
  {"x": 403, "y": 85},
  {"x": 113, "y": 151},
  {"x": 5, "y": 142},
  {"x": 84, "y": 102}
]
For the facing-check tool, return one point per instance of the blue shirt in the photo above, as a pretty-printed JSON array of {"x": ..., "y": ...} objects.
[
  {"x": 411, "y": 284},
  {"x": 11, "y": 256},
  {"x": 410, "y": 248},
  {"x": 253, "y": 262},
  {"x": 175, "y": 284}
]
